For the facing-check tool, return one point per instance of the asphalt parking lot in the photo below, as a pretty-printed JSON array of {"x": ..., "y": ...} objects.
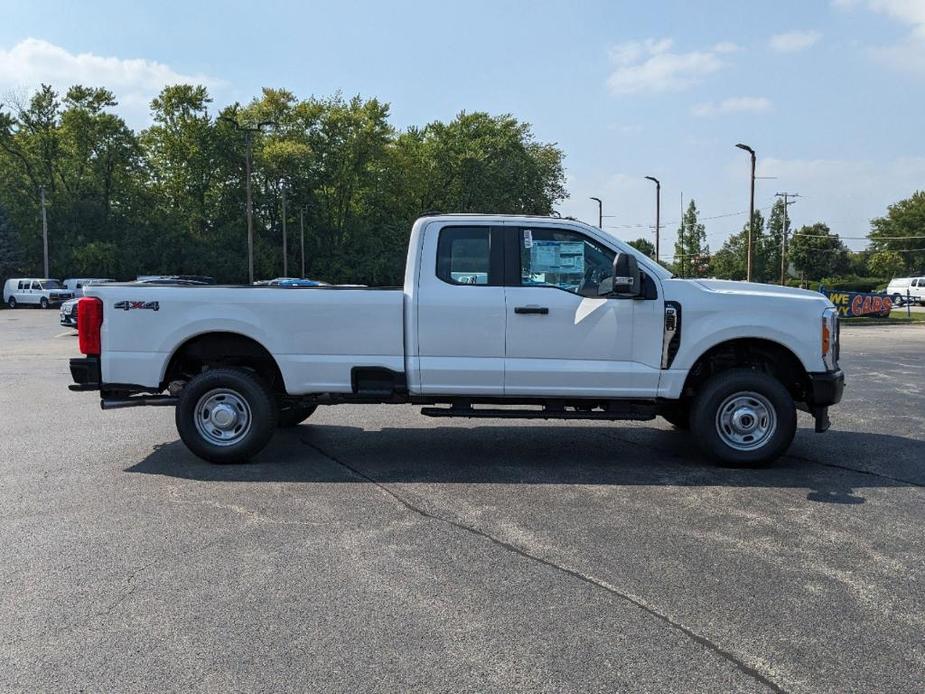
[{"x": 373, "y": 549}]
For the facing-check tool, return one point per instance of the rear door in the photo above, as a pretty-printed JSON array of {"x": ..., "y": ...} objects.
[
  {"x": 563, "y": 338},
  {"x": 461, "y": 311}
]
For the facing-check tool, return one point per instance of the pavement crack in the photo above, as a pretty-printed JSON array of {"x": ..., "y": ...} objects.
[{"x": 641, "y": 604}]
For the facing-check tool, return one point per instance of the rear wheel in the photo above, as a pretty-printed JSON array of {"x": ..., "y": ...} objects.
[
  {"x": 293, "y": 415},
  {"x": 226, "y": 415},
  {"x": 897, "y": 299},
  {"x": 12, "y": 302},
  {"x": 43, "y": 302},
  {"x": 743, "y": 418}
]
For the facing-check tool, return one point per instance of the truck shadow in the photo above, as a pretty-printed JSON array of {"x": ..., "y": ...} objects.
[{"x": 831, "y": 469}]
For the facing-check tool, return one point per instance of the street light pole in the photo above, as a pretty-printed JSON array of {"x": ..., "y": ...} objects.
[
  {"x": 302, "y": 238},
  {"x": 44, "y": 232},
  {"x": 658, "y": 213},
  {"x": 249, "y": 208},
  {"x": 751, "y": 212},
  {"x": 600, "y": 212},
  {"x": 248, "y": 155},
  {"x": 285, "y": 245}
]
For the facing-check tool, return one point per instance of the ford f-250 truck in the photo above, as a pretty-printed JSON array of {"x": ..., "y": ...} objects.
[{"x": 499, "y": 316}]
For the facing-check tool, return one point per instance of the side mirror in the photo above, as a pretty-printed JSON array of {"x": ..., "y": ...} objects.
[{"x": 626, "y": 279}]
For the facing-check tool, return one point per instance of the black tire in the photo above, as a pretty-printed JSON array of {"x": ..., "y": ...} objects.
[
  {"x": 246, "y": 396},
  {"x": 897, "y": 299},
  {"x": 43, "y": 302},
  {"x": 748, "y": 398},
  {"x": 294, "y": 415},
  {"x": 678, "y": 415},
  {"x": 12, "y": 302}
]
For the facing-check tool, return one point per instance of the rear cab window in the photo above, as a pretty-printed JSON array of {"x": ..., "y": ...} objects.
[{"x": 469, "y": 256}]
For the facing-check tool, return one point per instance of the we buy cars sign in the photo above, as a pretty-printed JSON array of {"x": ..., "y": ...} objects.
[{"x": 856, "y": 304}]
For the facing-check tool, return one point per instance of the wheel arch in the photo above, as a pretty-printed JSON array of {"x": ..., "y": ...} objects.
[
  {"x": 214, "y": 349},
  {"x": 761, "y": 354}
]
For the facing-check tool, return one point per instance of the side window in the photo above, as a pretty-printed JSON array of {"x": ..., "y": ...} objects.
[
  {"x": 464, "y": 255},
  {"x": 23, "y": 285},
  {"x": 563, "y": 259},
  {"x": 37, "y": 285}
]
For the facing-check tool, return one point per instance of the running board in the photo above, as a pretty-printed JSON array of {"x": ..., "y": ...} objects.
[{"x": 618, "y": 412}]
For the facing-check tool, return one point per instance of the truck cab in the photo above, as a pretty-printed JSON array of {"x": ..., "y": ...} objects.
[{"x": 499, "y": 316}]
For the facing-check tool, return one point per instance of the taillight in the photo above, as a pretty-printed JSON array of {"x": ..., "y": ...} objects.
[{"x": 89, "y": 322}]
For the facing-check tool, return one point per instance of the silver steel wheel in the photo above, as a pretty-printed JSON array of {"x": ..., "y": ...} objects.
[
  {"x": 223, "y": 417},
  {"x": 746, "y": 421}
]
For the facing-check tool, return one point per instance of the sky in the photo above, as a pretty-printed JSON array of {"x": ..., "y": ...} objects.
[{"x": 830, "y": 93}]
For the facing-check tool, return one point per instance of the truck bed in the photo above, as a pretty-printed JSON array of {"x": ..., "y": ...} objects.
[{"x": 316, "y": 334}]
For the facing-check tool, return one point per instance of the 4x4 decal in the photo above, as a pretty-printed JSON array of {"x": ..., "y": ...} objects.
[{"x": 131, "y": 305}]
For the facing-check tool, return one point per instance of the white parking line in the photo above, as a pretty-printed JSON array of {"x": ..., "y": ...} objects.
[{"x": 66, "y": 332}]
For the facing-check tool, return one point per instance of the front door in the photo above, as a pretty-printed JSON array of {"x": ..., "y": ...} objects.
[
  {"x": 460, "y": 312},
  {"x": 563, "y": 338}
]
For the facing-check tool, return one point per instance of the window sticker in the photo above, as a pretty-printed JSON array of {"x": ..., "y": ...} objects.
[
  {"x": 557, "y": 256},
  {"x": 528, "y": 238}
]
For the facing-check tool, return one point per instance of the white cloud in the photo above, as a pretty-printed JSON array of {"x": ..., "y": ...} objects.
[
  {"x": 651, "y": 66},
  {"x": 135, "y": 81},
  {"x": 736, "y": 104},
  {"x": 908, "y": 53},
  {"x": 794, "y": 41}
]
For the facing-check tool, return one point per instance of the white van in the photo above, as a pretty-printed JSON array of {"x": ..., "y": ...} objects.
[
  {"x": 42, "y": 292},
  {"x": 76, "y": 285},
  {"x": 900, "y": 288}
]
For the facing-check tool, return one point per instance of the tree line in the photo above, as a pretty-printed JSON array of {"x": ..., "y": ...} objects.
[
  {"x": 170, "y": 199},
  {"x": 813, "y": 251}
]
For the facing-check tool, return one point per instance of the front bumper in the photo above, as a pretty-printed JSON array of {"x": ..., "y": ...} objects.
[
  {"x": 86, "y": 373},
  {"x": 69, "y": 320},
  {"x": 826, "y": 388}
]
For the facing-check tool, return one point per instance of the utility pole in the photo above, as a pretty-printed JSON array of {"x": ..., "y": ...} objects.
[
  {"x": 44, "y": 232},
  {"x": 248, "y": 155},
  {"x": 285, "y": 245},
  {"x": 658, "y": 212},
  {"x": 600, "y": 212},
  {"x": 681, "y": 235},
  {"x": 751, "y": 212},
  {"x": 783, "y": 236},
  {"x": 302, "y": 238}
]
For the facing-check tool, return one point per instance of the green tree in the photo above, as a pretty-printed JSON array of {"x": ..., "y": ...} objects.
[
  {"x": 644, "y": 246},
  {"x": 886, "y": 264},
  {"x": 817, "y": 253},
  {"x": 902, "y": 229},
  {"x": 10, "y": 259},
  {"x": 778, "y": 226},
  {"x": 691, "y": 252},
  {"x": 731, "y": 261}
]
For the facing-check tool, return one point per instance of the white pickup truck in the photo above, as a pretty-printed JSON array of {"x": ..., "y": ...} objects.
[{"x": 499, "y": 316}]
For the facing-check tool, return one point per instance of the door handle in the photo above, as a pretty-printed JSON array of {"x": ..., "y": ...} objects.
[{"x": 541, "y": 310}]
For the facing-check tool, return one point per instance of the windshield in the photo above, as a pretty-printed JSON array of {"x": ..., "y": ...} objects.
[{"x": 51, "y": 284}]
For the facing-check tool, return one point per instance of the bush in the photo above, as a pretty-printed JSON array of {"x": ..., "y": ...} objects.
[{"x": 848, "y": 283}]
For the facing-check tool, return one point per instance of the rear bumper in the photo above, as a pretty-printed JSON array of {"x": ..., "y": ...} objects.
[
  {"x": 86, "y": 373},
  {"x": 826, "y": 388}
]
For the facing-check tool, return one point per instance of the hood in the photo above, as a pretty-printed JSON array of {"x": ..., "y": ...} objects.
[{"x": 756, "y": 289}]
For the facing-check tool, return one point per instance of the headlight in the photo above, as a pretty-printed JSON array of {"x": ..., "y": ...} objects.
[{"x": 830, "y": 338}]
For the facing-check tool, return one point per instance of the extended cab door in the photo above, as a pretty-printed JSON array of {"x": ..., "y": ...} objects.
[
  {"x": 563, "y": 338},
  {"x": 460, "y": 311}
]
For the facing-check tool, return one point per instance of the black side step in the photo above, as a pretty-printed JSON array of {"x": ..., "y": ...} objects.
[{"x": 631, "y": 411}]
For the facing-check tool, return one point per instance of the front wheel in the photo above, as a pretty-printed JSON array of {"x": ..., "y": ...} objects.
[
  {"x": 744, "y": 418},
  {"x": 226, "y": 415},
  {"x": 43, "y": 302}
]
